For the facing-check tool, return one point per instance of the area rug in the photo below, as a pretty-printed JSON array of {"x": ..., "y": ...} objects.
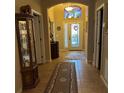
[
  {"x": 63, "y": 79},
  {"x": 75, "y": 56}
]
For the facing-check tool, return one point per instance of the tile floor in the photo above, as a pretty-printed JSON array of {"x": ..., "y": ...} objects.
[{"x": 88, "y": 78}]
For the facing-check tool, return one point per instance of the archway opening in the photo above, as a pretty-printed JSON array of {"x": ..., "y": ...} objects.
[{"x": 68, "y": 25}]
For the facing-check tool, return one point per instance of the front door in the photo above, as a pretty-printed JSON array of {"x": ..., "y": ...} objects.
[{"x": 72, "y": 36}]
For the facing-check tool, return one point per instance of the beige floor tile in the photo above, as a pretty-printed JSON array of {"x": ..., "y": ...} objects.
[{"x": 88, "y": 77}]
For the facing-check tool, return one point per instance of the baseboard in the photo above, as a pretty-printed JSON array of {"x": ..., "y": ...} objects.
[
  {"x": 94, "y": 60},
  {"x": 66, "y": 50},
  {"x": 48, "y": 61},
  {"x": 63, "y": 50},
  {"x": 104, "y": 81},
  {"x": 83, "y": 50},
  {"x": 41, "y": 62},
  {"x": 94, "y": 64},
  {"x": 89, "y": 61},
  {"x": 20, "y": 90}
]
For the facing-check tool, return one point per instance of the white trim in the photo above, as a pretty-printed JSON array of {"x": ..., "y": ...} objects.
[
  {"x": 48, "y": 61},
  {"x": 63, "y": 50},
  {"x": 43, "y": 38},
  {"x": 104, "y": 81},
  {"x": 41, "y": 61},
  {"x": 101, "y": 6},
  {"x": 20, "y": 90},
  {"x": 36, "y": 12}
]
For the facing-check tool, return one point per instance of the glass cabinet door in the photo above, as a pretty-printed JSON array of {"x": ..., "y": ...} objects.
[
  {"x": 23, "y": 36},
  {"x": 32, "y": 41}
]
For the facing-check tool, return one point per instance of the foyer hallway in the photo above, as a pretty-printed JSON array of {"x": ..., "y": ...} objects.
[{"x": 88, "y": 77}]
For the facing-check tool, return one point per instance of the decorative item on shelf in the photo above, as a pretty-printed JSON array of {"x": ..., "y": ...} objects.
[
  {"x": 58, "y": 28},
  {"x": 26, "y": 9},
  {"x": 51, "y": 30},
  {"x": 51, "y": 37}
]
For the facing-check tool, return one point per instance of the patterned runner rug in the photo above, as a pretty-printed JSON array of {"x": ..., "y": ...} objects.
[
  {"x": 63, "y": 79},
  {"x": 75, "y": 56}
]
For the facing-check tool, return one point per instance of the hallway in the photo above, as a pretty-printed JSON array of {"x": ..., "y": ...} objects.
[
  {"x": 73, "y": 25},
  {"x": 88, "y": 78}
]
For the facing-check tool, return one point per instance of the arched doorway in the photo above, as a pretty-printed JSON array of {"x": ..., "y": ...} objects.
[
  {"x": 67, "y": 23},
  {"x": 91, "y": 9}
]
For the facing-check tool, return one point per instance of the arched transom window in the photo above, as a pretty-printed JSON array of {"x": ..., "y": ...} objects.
[{"x": 72, "y": 12}]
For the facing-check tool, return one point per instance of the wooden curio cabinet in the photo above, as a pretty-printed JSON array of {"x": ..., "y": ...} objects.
[{"x": 27, "y": 53}]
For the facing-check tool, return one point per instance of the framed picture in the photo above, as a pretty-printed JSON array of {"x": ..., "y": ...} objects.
[{"x": 58, "y": 28}]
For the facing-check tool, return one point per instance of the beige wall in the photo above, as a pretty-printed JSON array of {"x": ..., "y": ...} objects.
[
  {"x": 50, "y": 3},
  {"x": 51, "y": 14},
  {"x": 18, "y": 81},
  {"x": 36, "y": 5},
  {"x": 104, "y": 66},
  {"x": 59, "y": 19}
]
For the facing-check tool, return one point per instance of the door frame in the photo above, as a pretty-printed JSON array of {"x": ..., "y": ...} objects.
[
  {"x": 69, "y": 33},
  {"x": 98, "y": 58},
  {"x": 41, "y": 33}
]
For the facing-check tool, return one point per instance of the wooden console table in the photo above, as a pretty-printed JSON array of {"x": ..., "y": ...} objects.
[{"x": 54, "y": 49}]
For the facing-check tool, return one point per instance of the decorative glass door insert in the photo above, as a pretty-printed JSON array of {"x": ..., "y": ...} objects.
[
  {"x": 75, "y": 35},
  {"x": 72, "y": 36}
]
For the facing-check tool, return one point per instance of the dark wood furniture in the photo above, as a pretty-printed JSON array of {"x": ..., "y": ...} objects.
[
  {"x": 54, "y": 49},
  {"x": 27, "y": 53}
]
